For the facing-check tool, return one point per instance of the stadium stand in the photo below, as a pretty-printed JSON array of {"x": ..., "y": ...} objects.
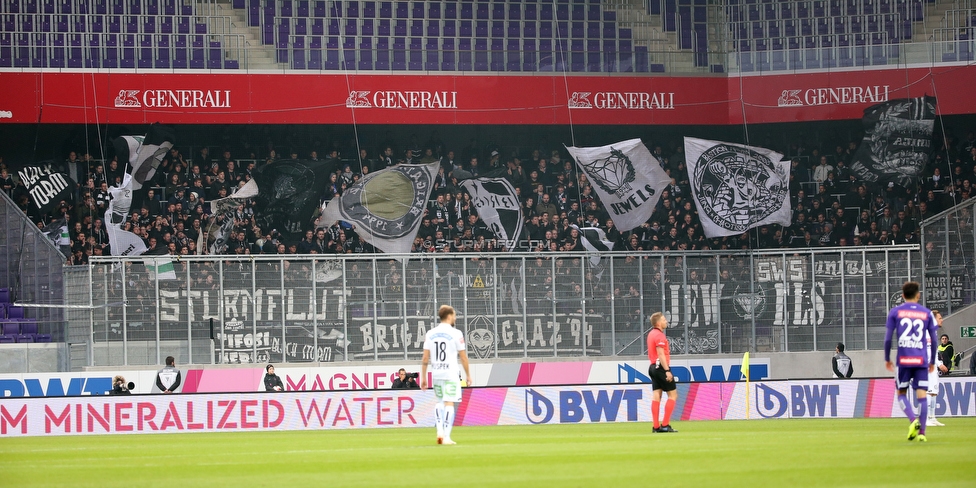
[{"x": 500, "y": 35}]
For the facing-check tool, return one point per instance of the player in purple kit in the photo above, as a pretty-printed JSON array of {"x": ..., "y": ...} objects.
[{"x": 915, "y": 357}]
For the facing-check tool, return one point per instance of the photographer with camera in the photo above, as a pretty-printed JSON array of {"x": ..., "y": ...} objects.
[
  {"x": 120, "y": 387},
  {"x": 406, "y": 381}
]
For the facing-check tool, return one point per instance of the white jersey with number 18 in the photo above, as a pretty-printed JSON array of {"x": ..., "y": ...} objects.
[{"x": 444, "y": 342}]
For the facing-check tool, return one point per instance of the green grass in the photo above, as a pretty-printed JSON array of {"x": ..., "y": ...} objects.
[{"x": 784, "y": 453}]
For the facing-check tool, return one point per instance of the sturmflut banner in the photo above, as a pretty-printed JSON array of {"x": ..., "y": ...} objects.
[
  {"x": 627, "y": 178},
  {"x": 737, "y": 187},
  {"x": 385, "y": 207},
  {"x": 897, "y": 141}
]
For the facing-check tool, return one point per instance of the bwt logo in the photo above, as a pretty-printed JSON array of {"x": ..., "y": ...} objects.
[
  {"x": 574, "y": 406},
  {"x": 804, "y": 401},
  {"x": 717, "y": 372},
  {"x": 55, "y": 387}
]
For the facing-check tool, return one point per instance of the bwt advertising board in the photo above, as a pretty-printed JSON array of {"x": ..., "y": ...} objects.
[
  {"x": 299, "y": 378},
  {"x": 568, "y": 404}
]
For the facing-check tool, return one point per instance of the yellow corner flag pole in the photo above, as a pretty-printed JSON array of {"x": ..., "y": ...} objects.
[{"x": 745, "y": 371}]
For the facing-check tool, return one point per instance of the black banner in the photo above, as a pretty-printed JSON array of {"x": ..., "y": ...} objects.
[
  {"x": 288, "y": 194},
  {"x": 46, "y": 188},
  {"x": 897, "y": 141}
]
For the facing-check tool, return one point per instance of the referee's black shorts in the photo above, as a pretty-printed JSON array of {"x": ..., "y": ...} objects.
[{"x": 659, "y": 379}]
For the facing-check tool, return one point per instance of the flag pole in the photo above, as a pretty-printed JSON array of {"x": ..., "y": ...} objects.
[{"x": 745, "y": 371}]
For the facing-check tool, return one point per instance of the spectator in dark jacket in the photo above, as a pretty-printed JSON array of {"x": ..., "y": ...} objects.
[{"x": 271, "y": 381}]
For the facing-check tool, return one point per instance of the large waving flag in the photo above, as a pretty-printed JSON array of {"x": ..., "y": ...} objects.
[
  {"x": 897, "y": 141},
  {"x": 627, "y": 178},
  {"x": 144, "y": 153},
  {"x": 385, "y": 207},
  {"x": 594, "y": 240},
  {"x": 121, "y": 242},
  {"x": 288, "y": 193},
  {"x": 737, "y": 187},
  {"x": 498, "y": 206}
]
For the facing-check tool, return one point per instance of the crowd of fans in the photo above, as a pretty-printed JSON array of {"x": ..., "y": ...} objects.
[{"x": 831, "y": 207}]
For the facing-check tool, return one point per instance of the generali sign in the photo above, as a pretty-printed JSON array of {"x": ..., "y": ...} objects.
[
  {"x": 622, "y": 100},
  {"x": 173, "y": 99},
  {"x": 402, "y": 99},
  {"x": 843, "y": 95}
]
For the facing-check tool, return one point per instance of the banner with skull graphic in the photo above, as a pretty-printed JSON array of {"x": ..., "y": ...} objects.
[
  {"x": 627, "y": 178},
  {"x": 737, "y": 187},
  {"x": 897, "y": 141}
]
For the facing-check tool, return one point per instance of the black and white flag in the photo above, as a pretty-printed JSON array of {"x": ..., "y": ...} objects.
[
  {"x": 897, "y": 141},
  {"x": 45, "y": 187},
  {"x": 627, "y": 177},
  {"x": 498, "y": 206},
  {"x": 121, "y": 242},
  {"x": 288, "y": 194},
  {"x": 144, "y": 153},
  {"x": 385, "y": 207},
  {"x": 595, "y": 241},
  {"x": 737, "y": 187},
  {"x": 222, "y": 210}
]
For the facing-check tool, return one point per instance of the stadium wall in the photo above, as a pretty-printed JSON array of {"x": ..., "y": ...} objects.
[
  {"x": 52, "y": 97},
  {"x": 868, "y": 398}
]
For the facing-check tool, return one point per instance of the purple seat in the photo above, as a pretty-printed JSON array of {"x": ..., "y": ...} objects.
[
  {"x": 465, "y": 28},
  {"x": 400, "y": 28},
  {"x": 497, "y": 55},
  {"x": 481, "y": 28},
  {"x": 5, "y": 39},
  {"x": 366, "y": 29},
  {"x": 529, "y": 11},
  {"x": 514, "y": 29},
  {"x": 464, "y": 55},
  {"x": 28, "y": 326},
  {"x": 545, "y": 12},
  {"x": 318, "y": 27},
  {"x": 448, "y": 55},
  {"x": 366, "y": 54},
  {"x": 450, "y": 10},
  {"x": 315, "y": 53},
  {"x": 545, "y": 55},
  {"x": 298, "y": 52},
  {"x": 302, "y": 8},
  {"x": 197, "y": 57},
  {"x": 43, "y": 338},
  {"x": 163, "y": 52},
  {"x": 15, "y": 312},
  {"x": 215, "y": 60},
  {"x": 450, "y": 28},
  {"x": 382, "y": 54},
  {"x": 369, "y": 10},
  {"x": 10, "y": 328},
  {"x": 481, "y": 55},
  {"x": 433, "y": 55},
  {"x": 179, "y": 51},
  {"x": 433, "y": 29},
  {"x": 416, "y": 60},
  {"x": 25, "y": 338},
  {"x": 7, "y": 339},
  {"x": 514, "y": 56},
  {"x": 529, "y": 55},
  {"x": 399, "y": 54}
]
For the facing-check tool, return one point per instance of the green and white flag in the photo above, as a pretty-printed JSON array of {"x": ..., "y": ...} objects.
[{"x": 161, "y": 267}]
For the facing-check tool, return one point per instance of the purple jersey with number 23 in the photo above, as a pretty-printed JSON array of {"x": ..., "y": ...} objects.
[{"x": 910, "y": 322}]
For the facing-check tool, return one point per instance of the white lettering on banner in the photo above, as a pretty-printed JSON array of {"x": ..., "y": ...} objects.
[
  {"x": 6, "y": 114},
  {"x": 844, "y": 95},
  {"x": 264, "y": 304},
  {"x": 213, "y": 413},
  {"x": 403, "y": 99},
  {"x": 798, "y": 300},
  {"x": 173, "y": 99},
  {"x": 623, "y": 100}
]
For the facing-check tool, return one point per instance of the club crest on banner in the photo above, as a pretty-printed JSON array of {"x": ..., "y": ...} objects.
[
  {"x": 737, "y": 187},
  {"x": 480, "y": 338},
  {"x": 614, "y": 173}
]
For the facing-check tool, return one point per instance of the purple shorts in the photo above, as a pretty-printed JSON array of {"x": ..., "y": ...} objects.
[{"x": 912, "y": 374}]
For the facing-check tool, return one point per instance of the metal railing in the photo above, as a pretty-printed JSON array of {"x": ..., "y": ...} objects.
[
  {"x": 948, "y": 243},
  {"x": 302, "y": 308}
]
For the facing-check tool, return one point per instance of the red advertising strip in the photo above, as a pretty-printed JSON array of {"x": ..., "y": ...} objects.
[{"x": 126, "y": 98}]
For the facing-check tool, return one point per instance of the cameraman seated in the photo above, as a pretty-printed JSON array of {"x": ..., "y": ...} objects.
[{"x": 405, "y": 380}]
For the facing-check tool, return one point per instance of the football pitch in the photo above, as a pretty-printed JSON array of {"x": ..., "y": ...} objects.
[{"x": 866, "y": 452}]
